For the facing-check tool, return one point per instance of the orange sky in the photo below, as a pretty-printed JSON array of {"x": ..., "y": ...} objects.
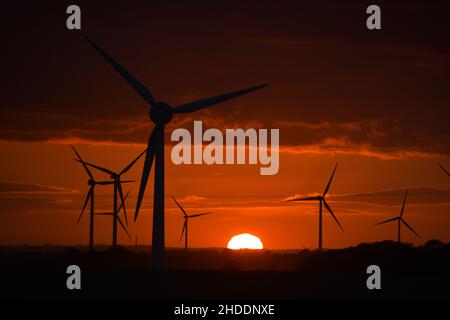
[
  {"x": 376, "y": 102},
  {"x": 243, "y": 200}
]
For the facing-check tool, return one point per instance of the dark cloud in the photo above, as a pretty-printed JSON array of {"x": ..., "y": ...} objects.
[
  {"x": 416, "y": 196},
  {"x": 27, "y": 197},
  {"x": 34, "y": 198},
  {"x": 28, "y": 188},
  {"x": 335, "y": 86}
]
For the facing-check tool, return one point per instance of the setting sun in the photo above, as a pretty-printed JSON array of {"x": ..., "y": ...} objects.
[{"x": 245, "y": 241}]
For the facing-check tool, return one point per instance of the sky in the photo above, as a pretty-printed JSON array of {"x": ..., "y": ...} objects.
[{"x": 376, "y": 102}]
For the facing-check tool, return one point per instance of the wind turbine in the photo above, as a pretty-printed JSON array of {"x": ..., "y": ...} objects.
[
  {"x": 160, "y": 113},
  {"x": 400, "y": 220},
  {"x": 117, "y": 189},
  {"x": 186, "y": 220},
  {"x": 118, "y": 210},
  {"x": 322, "y": 202},
  {"x": 90, "y": 196},
  {"x": 443, "y": 169}
]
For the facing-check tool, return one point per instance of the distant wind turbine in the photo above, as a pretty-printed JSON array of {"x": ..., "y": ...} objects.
[
  {"x": 186, "y": 220},
  {"x": 117, "y": 189},
  {"x": 118, "y": 217},
  {"x": 160, "y": 113},
  {"x": 90, "y": 196},
  {"x": 443, "y": 169},
  {"x": 400, "y": 220},
  {"x": 322, "y": 201}
]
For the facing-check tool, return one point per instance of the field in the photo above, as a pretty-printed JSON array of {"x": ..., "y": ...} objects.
[{"x": 407, "y": 273}]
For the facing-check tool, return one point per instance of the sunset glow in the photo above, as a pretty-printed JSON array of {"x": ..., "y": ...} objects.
[
  {"x": 384, "y": 143},
  {"x": 245, "y": 241}
]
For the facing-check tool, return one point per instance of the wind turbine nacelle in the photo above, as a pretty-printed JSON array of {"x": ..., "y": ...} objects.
[
  {"x": 91, "y": 183},
  {"x": 161, "y": 113}
]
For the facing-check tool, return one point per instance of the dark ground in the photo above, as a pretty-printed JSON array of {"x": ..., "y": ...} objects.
[{"x": 407, "y": 273}]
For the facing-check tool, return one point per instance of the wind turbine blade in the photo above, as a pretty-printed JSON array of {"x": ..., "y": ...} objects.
[
  {"x": 128, "y": 167},
  {"x": 386, "y": 221},
  {"x": 103, "y": 213},
  {"x": 332, "y": 214},
  {"x": 208, "y": 102},
  {"x": 97, "y": 167},
  {"x": 122, "y": 199},
  {"x": 179, "y": 206},
  {"x": 404, "y": 203},
  {"x": 121, "y": 205},
  {"x": 303, "y": 199},
  {"x": 184, "y": 229},
  {"x": 132, "y": 81},
  {"x": 329, "y": 182},
  {"x": 105, "y": 183},
  {"x": 410, "y": 228},
  {"x": 84, "y": 166},
  {"x": 443, "y": 169},
  {"x": 200, "y": 214},
  {"x": 148, "y": 162},
  {"x": 89, "y": 194},
  {"x": 123, "y": 227}
]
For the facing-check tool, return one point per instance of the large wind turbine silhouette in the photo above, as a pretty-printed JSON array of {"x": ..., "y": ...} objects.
[
  {"x": 160, "y": 113},
  {"x": 186, "y": 220},
  {"x": 117, "y": 189},
  {"x": 400, "y": 220},
  {"x": 322, "y": 202},
  {"x": 90, "y": 196},
  {"x": 443, "y": 169}
]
